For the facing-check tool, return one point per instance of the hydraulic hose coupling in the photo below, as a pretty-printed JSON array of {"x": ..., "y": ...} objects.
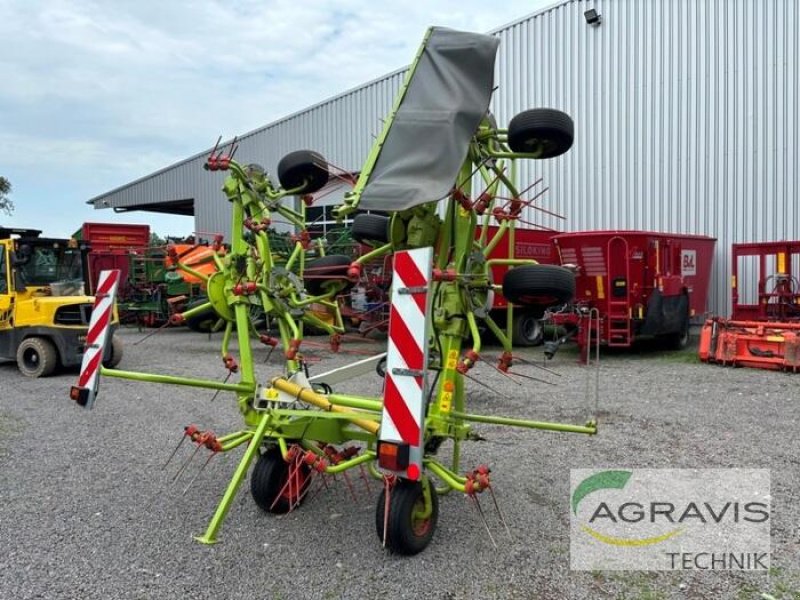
[
  {"x": 268, "y": 340},
  {"x": 469, "y": 360},
  {"x": 176, "y": 319},
  {"x": 354, "y": 271},
  {"x": 293, "y": 349},
  {"x": 245, "y": 289},
  {"x": 230, "y": 363},
  {"x": 505, "y": 362}
]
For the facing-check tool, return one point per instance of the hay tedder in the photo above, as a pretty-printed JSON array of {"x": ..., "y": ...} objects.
[{"x": 438, "y": 142}]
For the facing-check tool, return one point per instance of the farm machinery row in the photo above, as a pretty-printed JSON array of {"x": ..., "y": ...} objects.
[{"x": 430, "y": 209}]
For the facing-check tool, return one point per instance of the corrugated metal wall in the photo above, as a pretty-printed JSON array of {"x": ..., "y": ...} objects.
[{"x": 685, "y": 113}]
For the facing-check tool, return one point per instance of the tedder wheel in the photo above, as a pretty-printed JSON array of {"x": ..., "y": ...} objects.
[
  {"x": 116, "y": 353},
  {"x": 205, "y": 321},
  {"x": 305, "y": 171},
  {"x": 527, "y": 329},
  {"x": 36, "y": 357},
  {"x": 326, "y": 272},
  {"x": 372, "y": 230},
  {"x": 407, "y": 530},
  {"x": 545, "y": 132},
  {"x": 269, "y": 483},
  {"x": 538, "y": 287}
]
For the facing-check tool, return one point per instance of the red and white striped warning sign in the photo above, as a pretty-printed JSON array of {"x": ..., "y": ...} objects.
[
  {"x": 97, "y": 336},
  {"x": 407, "y": 351}
]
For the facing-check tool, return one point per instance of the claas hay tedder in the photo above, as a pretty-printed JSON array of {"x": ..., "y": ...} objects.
[{"x": 419, "y": 183}]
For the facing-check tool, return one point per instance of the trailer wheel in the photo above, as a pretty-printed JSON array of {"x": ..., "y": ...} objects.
[
  {"x": 372, "y": 230},
  {"x": 36, "y": 357},
  {"x": 539, "y": 286},
  {"x": 304, "y": 171},
  {"x": 116, "y": 353},
  {"x": 545, "y": 132},
  {"x": 678, "y": 340},
  {"x": 325, "y": 273},
  {"x": 268, "y": 483},
  {"x": 527, "y": 329},
  {"x": 406, "y": 531},
  {"x": 205, "y": 321}
]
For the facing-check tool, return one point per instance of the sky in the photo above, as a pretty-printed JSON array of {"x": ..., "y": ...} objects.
[{"x": 96, "y": 94}]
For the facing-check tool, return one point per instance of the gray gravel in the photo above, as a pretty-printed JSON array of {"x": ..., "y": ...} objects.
[{"x": 87, "y": 512}]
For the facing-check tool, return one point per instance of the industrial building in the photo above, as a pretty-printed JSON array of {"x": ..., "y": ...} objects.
[{"x": 686, "y": 121}]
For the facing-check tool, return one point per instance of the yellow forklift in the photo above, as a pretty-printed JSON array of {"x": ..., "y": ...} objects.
[{"x": 44, "y": 309}]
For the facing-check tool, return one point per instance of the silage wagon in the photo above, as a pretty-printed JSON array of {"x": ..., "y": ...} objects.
[{"x": 640, "y": 283}]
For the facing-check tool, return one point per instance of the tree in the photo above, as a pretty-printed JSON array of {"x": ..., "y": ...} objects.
[{"x": 6, "y": 204}]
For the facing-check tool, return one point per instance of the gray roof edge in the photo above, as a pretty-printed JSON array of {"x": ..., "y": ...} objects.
[{"x": 313, "y": 107}]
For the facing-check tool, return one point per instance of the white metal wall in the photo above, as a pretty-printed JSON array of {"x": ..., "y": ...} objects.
[{"x": 685, "y": 114}]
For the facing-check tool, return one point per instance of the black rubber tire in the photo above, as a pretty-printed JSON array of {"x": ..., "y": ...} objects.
[
  {"x": 116, "y": 353},
  {"x": 545, "y": 132},
  {"x": 268, "y": 480},
  {"x": 538, "y": 287},
  {"x": 403, "y": 536},
  {"x": 527, "y": 329},
  {"x": 372, "y": 230},
  {"x": 36, "y": 357},
  {"x": 679, "y": 340},
  {"x": 326, "y": 271},
  {"x": 205, "y": 321},
  {"x": 303, "y": 169}
]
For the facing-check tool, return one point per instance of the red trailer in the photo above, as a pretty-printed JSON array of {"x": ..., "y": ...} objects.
[
  {"x": 111, "y": 245},
  {"x": 641, "y": 283}
]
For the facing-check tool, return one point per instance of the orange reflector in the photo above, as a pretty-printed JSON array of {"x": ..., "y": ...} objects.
[
  {"x": 449, "y": 386},
  {"x": 79, "y": 394},
  {"x": 392, "y": 456}
]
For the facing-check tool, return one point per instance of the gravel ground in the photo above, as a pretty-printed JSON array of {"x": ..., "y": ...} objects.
[{"x": 86, "y": 510}]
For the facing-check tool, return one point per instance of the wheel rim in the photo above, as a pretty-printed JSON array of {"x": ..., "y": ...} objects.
[
  {"x": 31, "y": 359},
  {"x": 292, "y": 493},
  {"x": 531, "y": 329},
  {"x": 420, "y": 525}
]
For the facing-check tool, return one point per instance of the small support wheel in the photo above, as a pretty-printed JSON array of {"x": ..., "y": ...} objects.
[
  {"x": 411, "y": 524},
  {"x": 203, "y": 322},
  {"x": 543, "y": 132},
  {"x": 303, "y": 171},
  {"x": 539, "y": 286},
  {"x": 369, "y": 229},
  {"x": 268, "y": 483}
]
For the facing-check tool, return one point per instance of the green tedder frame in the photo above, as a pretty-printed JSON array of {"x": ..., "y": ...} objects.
[{"x": 296, "y": 425}]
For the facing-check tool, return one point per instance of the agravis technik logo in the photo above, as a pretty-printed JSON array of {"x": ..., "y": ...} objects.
[{"x": 670, "y": 519}]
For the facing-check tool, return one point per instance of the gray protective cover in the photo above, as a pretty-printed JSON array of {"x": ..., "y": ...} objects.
[{"x": 428, "y": 139}]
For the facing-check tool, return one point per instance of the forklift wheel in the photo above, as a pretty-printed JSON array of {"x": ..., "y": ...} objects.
[
  {"x": 116, "y": 353},
  {"x": 527, "y": 329},
  {"x": 538, "y": 287},
  {"x": 326, "y": 272},
  {"x": 304, "y": 171},
  {"x": 36, "y": 357},
  {"x": 545, "y": 132},
  {"x": 406, "y": 532},
  {"x": 268, "y": 483},
  {"x": 372, "y": 230}
]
